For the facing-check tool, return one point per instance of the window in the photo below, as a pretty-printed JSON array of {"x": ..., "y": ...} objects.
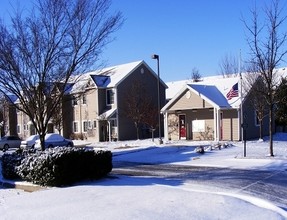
[
  {"x": 110, "y": 97},
  {"x": 84, "y": 99},
  {"x": 75, "y": 127},
  {"x": 95, "y": 124},
  {"x": 90, "y": 125},
  {"x": 85, "y": 126},
  {"x": 75, "y": 101},
  {"x": 25, "y": 127},
  {"x": 18, "y": 129}
]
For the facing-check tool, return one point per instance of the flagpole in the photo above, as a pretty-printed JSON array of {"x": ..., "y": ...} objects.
[
  {"x": 241, "y": 105},
  {"x": 243, "y": 124}
]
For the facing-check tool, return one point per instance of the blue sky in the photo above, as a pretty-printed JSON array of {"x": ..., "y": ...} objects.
[{"x": 186, "y": 34}]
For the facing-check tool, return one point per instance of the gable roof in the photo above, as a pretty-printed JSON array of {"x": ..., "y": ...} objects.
[
  {"x": 109, "y": 77},
  {"x": 211, "y": 94},
  {"x": 222, "y": 84},
  {"x": 212, "y": 89}
]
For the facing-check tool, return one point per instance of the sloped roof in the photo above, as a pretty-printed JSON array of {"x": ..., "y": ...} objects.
[
  {"x": 108, "y": 77},
  {"x": 112, "y": 76},
  {"x": 107, "y": 114},
  {"x": 222, "y": 84},
  {"x": 12, "y": 98},
  {"x": 213, "y": 89},
  {"x": 211, "y": 94}
]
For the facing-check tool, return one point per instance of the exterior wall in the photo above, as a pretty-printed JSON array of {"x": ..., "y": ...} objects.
[
  {"x": 200, "y": 121},
  {"x": 189, "y": 100},
  {"x": 67, "y": 117},
  {"x": 102, "y": 101},
  {"x": 252, "y": 129},
  {"x": 230, "y": 125},
  {"x": 23, "y": 125},
  {"x": 10, "y": 125},
  {"x": 205, "y": 116},
  {"x": 86, "y": 113},
  {"x": 142, "y": 74},
  {"x": 195, "y": 108},
  {"x": 96, "y": 105},
  {"x": 173, "y": 128}
]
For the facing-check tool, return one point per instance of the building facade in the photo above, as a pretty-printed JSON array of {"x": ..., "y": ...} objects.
[{"x": 95, "y": 106}]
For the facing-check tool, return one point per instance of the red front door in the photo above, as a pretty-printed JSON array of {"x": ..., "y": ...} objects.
[{"x": 182, "y": 128}]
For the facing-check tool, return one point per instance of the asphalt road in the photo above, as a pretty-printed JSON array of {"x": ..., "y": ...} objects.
[{"x": 268, "y": 185}]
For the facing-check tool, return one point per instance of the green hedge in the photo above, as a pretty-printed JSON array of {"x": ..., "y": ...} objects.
[
  {"x": 62, "y": 166},
  {"x": 9, "y": 163}
]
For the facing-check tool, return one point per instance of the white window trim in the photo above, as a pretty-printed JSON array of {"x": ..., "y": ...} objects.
[
  {"x": 94, "y": 124},
  {"x": 77, "y": 127},
  {"x": 83, "y": 125},
  {"x": 113, "y": 91},
  {"x": 75, "y": 100},
  {"x": 19, "y": 128},
  {"x": 84, "y": 97}
]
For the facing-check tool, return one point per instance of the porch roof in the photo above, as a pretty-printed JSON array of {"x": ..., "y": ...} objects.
[
  {"x": 107, "y": 114},
  {"x": 209, "y": 93}
]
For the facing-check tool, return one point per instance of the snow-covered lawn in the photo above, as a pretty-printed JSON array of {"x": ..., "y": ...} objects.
[{"x": 124, "y": 197}]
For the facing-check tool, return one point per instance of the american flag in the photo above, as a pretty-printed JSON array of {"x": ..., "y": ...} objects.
[{"x": 233, "y": 92}]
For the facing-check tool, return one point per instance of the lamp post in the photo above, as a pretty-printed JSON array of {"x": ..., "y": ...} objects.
[{"x": 156, "y": 57}]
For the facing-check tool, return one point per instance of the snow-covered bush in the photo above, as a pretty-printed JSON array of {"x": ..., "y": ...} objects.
[
  {"x": 57, "y": 166},
  {"x": 9, "y": 163},
  {"x": 64, "y": 166},
  {"x": 200, "y": 150}
]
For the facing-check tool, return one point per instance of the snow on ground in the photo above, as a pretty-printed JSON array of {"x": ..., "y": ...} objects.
[{"x": 124, "y": 197}]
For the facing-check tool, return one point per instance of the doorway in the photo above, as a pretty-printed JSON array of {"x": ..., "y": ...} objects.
[{"x": 182, "y": 127}]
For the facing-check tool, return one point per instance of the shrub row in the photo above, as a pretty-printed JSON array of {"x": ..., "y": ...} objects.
[{"x": 57, "y": 166}]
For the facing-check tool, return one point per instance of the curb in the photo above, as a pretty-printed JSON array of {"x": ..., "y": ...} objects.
[{"x": 19, "y": 185}]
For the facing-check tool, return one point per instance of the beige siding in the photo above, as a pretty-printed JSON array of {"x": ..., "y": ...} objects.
[
  {"x": 173, "y": 130},
  {"x": 87, "y": 112},
  {"x": 201, "y": 114},
  {"x": 189, "y": 100},
  {"x": 230, "y": 125},
  {"x": 207, "y": 116}
]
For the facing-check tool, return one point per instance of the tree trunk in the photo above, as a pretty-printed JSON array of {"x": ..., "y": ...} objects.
[
  {"x": 260, "y": 129},
  {"x": 137, "y": 128},
  {"x": 42, "y": 141}
]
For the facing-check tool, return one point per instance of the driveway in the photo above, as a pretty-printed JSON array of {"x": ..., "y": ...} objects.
[{"x": 269, "y": 185}]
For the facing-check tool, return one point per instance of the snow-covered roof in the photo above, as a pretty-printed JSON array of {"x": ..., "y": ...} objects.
[
  {"x": 105, "y": 78},
  {"x": 111, "y": 76},
  {"x": 211, "y": 87},
  {"x": 210, "y": 93},
  {"x": 107, "y": 114},
  {"x": 12, "y": 98}
]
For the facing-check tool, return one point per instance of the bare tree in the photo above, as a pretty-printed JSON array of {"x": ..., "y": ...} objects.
[
  {"x": 254, "y": 84},
  {"x": 151, "y": 119},
  {"x": 195, "y": 75},
  {"x": 267, "y": 47},
  {"x": 229, "y": 66},
  {"x": 40, "y": 52},
  {"x": 138, "y": 106}
]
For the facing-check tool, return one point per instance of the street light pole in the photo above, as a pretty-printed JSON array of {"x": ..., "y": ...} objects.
[{"x": 156, "y": 57}]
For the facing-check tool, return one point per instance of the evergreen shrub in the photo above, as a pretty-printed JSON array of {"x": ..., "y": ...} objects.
[
  {"x": 9, "y": 163},
  {"x": 62, "y": 166}
]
